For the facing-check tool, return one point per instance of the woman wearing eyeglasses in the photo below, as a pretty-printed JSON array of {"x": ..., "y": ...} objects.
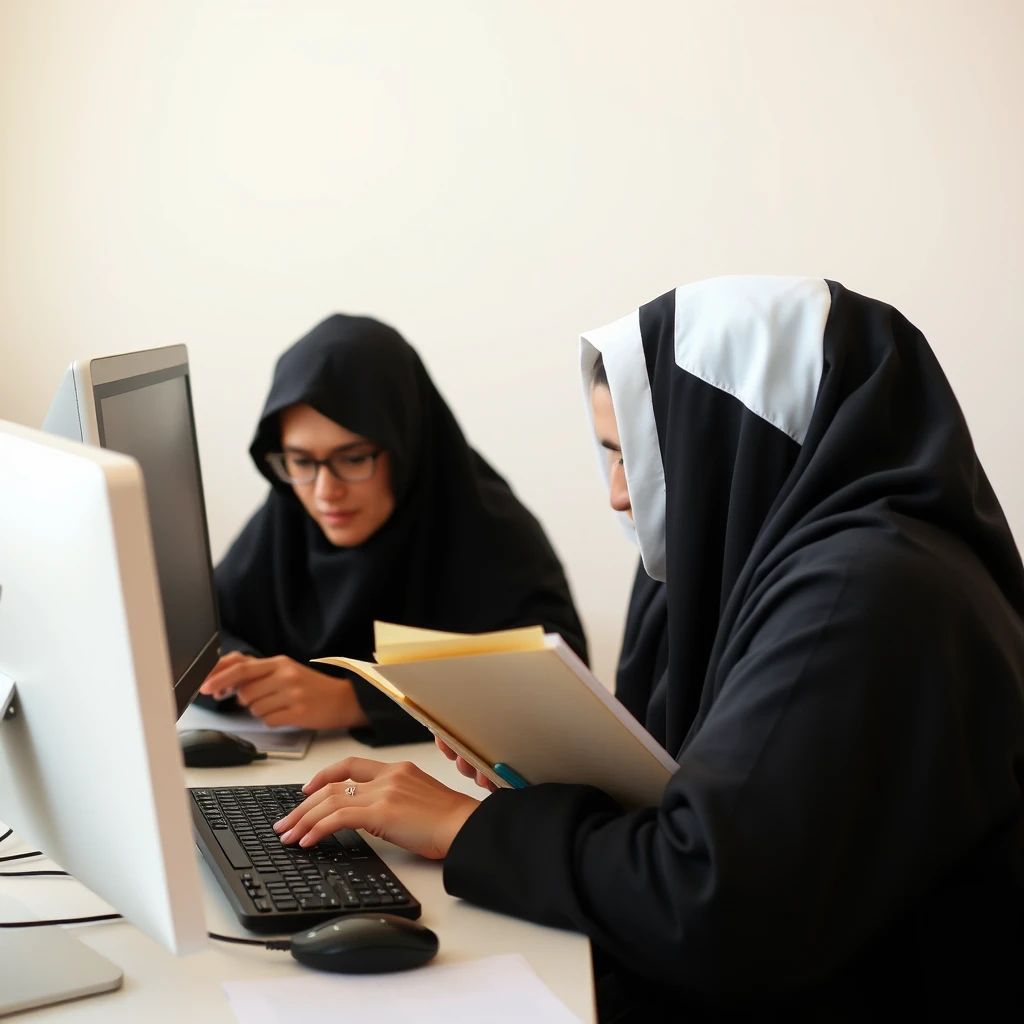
[{"x": 378, "y": 510}]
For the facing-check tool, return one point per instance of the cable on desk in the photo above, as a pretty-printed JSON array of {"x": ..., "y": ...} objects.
[
  {"x": 21, "y": 856},
  {"x": 7, "y": 835},
  {"x": 275, "y": 944},
  {"x": 63, "y": 920},
  {"x": 30, "y": 874},
  {"x": 281, "y": 944}
]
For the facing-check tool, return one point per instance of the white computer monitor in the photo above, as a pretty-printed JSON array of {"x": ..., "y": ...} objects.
[
  {"x": 90, "y": 767},
  {"x": 140, "y": 404}
]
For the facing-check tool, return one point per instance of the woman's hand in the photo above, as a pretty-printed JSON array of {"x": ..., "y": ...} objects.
[
  {"x": 283, "y": 692},
  {"x": 464, "y": 767},
  {"x": 396, "y": 802}
]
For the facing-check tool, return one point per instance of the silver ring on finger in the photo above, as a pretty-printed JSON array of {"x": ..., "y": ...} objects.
[{"x": 350, "y": 791}]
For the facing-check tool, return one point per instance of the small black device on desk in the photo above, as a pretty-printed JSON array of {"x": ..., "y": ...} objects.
[
  {"x": 365, "y": 944},
  {"x": 277, "y": 888},
  {"x": 211, "y": 748}
]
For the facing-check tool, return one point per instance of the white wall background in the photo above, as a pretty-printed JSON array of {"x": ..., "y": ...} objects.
[{"x": 492, "y": 179}]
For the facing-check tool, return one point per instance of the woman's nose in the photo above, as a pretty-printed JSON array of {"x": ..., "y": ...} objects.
[
  {"x": 619, "y": 495},
  {"x": 327, "y": 485}
]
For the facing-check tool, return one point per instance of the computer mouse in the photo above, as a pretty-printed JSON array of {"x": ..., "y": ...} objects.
[
  {"x": 365, "y": 944},
  {"x": 211, "y": 748}
]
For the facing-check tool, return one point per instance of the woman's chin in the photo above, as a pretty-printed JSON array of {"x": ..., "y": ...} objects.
[{"x": 349, "y": 536}]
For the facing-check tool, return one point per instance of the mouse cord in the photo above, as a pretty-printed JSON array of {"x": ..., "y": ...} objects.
[
  {"x": 7, "y": 835},
  {"x": 281, "y": 944},
  {"x": 275, "y": 944}
]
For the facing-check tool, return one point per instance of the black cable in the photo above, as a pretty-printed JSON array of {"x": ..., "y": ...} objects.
[
  {"x": 63, "y": 920},
  {"x": 30, "y": 874},
  {"x": 275, "y": 944},
  {"x": 280, "y": 944},
  {"x": 17, "y": 856}
]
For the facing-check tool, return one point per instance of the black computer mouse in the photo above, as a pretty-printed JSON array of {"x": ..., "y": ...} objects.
[
  {"x": 211, "y": 748},
  {"x": 365, "y": 944}
]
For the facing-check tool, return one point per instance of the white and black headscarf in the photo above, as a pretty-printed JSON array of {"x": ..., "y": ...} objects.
[
  {"x": 757, "y": 412},
  {"x": 844, "y": 690}
]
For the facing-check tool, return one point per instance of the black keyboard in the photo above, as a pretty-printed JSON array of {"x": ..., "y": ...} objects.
[{"x": 276, "y": 888}]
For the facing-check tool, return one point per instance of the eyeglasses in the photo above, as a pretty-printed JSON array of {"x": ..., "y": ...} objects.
[{"x": 293, "y": 468}]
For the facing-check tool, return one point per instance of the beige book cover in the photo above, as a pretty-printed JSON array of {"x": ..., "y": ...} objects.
[{"x": 518, "y": 698}]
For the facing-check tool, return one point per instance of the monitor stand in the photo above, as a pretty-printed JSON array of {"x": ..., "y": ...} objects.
[{"x": 40, "y": 966}]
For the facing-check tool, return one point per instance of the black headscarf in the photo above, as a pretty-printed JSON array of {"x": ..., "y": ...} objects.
[
  {"x": 460, "y": 552},
  {"x": 643, "y": 658},
  {"x": 845, "y": 684}
]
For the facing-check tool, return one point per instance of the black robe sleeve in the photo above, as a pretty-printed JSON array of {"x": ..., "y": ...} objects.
[{"x": 840, "y": 773}]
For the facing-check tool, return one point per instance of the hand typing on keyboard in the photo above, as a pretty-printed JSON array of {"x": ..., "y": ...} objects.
[{"x": 396, "y": 802}]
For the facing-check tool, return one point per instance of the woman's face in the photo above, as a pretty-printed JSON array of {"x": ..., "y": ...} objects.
[
  {"x": 608, "y": 434},
  {"x": 349, "y": 513}
]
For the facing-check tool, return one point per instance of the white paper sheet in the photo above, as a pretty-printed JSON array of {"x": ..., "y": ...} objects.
[
  {"x": 278, "y": 742},
  {"x": 495, "y": 990}
]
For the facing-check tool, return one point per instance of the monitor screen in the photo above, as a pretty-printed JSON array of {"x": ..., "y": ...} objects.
[{"x": 150, "y": 418}]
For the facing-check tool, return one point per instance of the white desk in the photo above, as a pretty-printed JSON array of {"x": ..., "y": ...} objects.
[{"x": 161, "y": 987}]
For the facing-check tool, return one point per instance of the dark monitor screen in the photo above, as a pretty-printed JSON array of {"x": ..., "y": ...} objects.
[{"x": 150, "y": 418}]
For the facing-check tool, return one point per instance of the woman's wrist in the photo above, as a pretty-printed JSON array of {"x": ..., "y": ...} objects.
[
  {"x": 457, "y": 818},
  {"x": 354, "y": 716}
]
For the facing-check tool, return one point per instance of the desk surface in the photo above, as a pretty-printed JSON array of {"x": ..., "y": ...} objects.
[{"x": 159, "y": 986}]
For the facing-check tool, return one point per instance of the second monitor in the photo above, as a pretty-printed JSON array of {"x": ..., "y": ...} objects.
[{"x": 140, "y": 404}]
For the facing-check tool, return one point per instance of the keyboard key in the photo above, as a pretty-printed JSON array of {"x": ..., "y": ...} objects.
[
  {"x": 236, "y": 856},
  {"x": 263, "y": 906},
  {"x": 311, "y": 903}
]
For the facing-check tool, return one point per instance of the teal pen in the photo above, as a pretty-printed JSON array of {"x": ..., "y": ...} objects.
[{"x": 515, "y": 780}]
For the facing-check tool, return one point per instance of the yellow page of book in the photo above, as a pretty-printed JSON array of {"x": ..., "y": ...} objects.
[
  {"x": 396, "y": 645},
  {"x": 371, "y": 675}
]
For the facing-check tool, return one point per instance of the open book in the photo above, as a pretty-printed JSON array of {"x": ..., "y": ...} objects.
[{"x": 520, "y": 700}]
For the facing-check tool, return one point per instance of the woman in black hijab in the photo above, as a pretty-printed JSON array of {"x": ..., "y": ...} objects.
[
  {"x": 844, "y": 692},
  {"x": 379, "y": 510}
]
